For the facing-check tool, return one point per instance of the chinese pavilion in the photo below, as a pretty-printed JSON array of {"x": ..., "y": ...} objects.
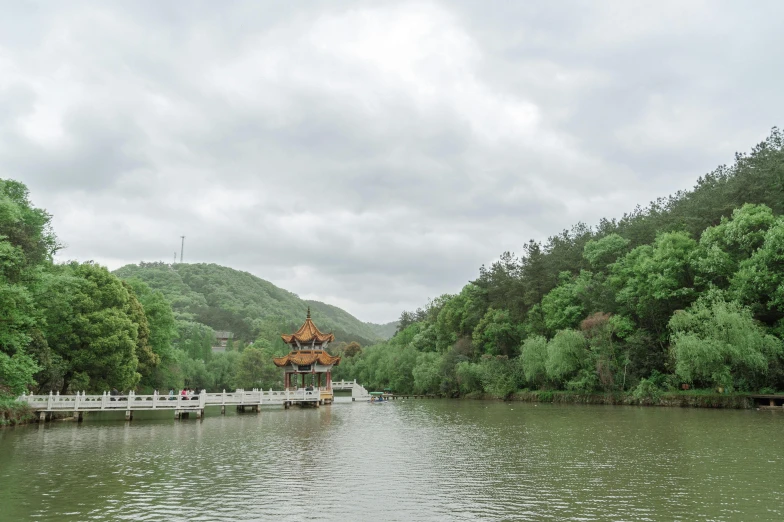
[{"x": 308, "y": 357}]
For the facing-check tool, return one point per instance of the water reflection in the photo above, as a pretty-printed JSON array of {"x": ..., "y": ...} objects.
[{"x": 411, "y": 460}]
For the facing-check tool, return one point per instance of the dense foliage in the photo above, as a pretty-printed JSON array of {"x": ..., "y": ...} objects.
[{"x": 687, "y": 291}]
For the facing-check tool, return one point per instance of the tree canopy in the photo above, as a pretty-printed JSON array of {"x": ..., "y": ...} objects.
[{"x": 689, "y": 289}]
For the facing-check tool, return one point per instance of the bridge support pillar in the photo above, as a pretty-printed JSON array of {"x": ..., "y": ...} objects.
[
  {"x": 286, "y": 405},
  {"x": 199, "y": 414},
  {"x": 43, "y": 417},
  {"x": 128, "y": 415},
  {"x": 80, "y": 416},
  {"x": 223, "y": 409}
]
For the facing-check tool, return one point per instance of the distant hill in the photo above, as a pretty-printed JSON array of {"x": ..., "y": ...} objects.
[
  {"x": 227, "y": 299},
  {"x": 384, "y": 331}
]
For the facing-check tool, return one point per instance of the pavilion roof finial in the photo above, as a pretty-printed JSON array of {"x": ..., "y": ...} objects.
[{"x": 308, "y": 312}]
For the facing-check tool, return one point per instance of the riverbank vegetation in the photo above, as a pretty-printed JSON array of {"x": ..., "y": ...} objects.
[
  {"x": 687, "y": 292},
  {"x": 13, "y": 413}
]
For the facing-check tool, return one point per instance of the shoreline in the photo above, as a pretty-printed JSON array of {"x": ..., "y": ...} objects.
[
  {"x": 736, "y": 401},
  {"x": 13, "y": 413}
]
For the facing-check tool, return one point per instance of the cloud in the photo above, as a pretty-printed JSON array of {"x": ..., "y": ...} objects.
[{"x": 370, "y": 155}]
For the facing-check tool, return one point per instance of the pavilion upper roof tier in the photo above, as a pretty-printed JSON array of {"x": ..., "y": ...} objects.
[
  {"x": 307, "y": 333},
  {"x": 302, "y": 359}
]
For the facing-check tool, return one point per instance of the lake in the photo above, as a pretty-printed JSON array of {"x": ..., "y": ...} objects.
[{"x": 404, "y": 460}]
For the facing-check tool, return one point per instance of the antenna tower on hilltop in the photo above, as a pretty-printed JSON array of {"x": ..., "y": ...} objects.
[{"x": 182, "y": 247}]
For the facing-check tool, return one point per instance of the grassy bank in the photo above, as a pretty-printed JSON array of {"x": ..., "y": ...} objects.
[
  {"x": 13, "y": 413},
  {"x": 682, "y": 399}
]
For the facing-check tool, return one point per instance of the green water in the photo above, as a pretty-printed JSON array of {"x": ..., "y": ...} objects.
[{"x": 409, "y": 460}]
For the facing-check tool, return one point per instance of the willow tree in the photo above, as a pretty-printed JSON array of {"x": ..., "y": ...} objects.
[{"x": 718, "y": 343}]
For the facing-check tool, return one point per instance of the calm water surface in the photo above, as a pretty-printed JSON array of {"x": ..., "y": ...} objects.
[{"x": 409, "y": 460}]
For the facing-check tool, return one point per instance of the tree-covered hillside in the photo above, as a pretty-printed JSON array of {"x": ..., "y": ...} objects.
[
  {"x": 688, "y": 291},
  {"x": 384, "y": 331},
  {"x": 227, "y": 299}
]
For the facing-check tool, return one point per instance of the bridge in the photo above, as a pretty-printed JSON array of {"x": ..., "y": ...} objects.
[
  {"x": 181, "y": 405},
  {"x": 358, "y": 392}
]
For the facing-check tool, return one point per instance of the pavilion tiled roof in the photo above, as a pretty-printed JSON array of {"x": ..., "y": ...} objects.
[
  {"x": 307, "y": 333},
  {"x": 305, "y": 358}
]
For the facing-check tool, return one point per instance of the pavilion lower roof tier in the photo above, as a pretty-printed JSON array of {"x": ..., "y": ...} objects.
[{"x": 302, "y": 359}]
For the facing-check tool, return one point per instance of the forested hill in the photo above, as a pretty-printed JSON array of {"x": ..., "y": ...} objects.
[
  {"x": 227, "y": 299},
  {"x": 384, "y": 331},
  {"x": 686, "y": 292}
]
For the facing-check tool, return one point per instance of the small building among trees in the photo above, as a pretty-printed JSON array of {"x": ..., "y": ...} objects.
[{"x": 222, "y": 339}]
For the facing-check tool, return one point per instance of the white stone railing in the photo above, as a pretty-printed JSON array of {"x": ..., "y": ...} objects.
[
  {"x": 344, "y": 385},
  {"x": 132, "y": 401},
  {"x": 106, "y": 401},
  {"x": 260, "y": 397},
  {"x": 357, "y": 390}
]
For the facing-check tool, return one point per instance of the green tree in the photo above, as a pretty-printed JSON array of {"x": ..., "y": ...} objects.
[
  {"x": 716, "y": 342},
  {"x": 17, "y": 372},
  {"x": 222, "y": 370},
  {"x": 569, "y": 302},
  {"x": 566, "y": 355},
  {"x": 256, "y": 370},
  {"x": 352, "y": 349},
  {"x": 27, "y": 243},
  {"x": 90, "y": 326},
  {"x": 724, "y": 246},
  {"x": 160, "y": 318},
  {"x": 427, "y": 373},
  {"x": 534, "y": 360},
  {"x": 496, "y": 334},
  {"x": 653, "y": 281},
  {"x": 759, "y": 281},
  {"x": 147, "y": 359},
  {"x": 603, "y": 252}
]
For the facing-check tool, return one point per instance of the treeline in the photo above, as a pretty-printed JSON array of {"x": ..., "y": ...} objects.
[
  {"x": 688, "y": 291},
  {"x": 76, "y": 326}
]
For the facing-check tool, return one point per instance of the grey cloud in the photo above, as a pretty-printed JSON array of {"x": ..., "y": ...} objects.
[{"x": 370, "y": 155}]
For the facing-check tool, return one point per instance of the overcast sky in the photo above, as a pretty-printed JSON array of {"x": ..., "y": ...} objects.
[{"x": 370, "y": 154}]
